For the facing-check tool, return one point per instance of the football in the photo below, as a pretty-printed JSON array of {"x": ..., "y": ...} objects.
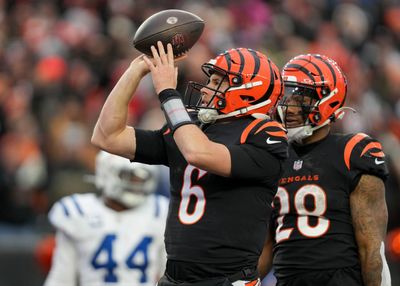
[{"x": 180, "y": 28}]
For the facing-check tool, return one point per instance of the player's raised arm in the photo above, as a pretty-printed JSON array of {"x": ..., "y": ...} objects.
[
  {"x": 111, "y": 132},
  {"x": 194, "y": 145},
  {"x": 370, "y": 216}
]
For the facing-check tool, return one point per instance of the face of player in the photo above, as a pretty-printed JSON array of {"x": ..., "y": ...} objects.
[
  {"x": 216, "y": 86},
  {"x": 296, "y": 105}
]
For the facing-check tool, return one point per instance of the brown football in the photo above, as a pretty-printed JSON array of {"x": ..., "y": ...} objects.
[{"x": 180, "y": 28}]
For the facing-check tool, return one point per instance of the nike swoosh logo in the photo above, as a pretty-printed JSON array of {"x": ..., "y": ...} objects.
[
  {"x": 269, "y": 141},
  {"x": 378, "y": 162}
]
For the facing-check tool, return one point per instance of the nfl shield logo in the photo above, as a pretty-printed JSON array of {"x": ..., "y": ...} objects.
[{"x": 297, "y": 165}]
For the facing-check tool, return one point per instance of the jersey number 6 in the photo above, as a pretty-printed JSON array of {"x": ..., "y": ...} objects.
[{"x": 191, "y": 192}]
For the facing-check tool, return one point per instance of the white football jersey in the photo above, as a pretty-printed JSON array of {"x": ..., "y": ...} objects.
[{"x": 96, "y": 245}]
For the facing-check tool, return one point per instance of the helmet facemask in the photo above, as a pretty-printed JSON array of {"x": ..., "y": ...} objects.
[
  {"x": 301, "y": 97},
  {"x": 194, "y": 99},
  {"x": 298, "y": 105},
  {"x": 123, "y": 181},
  {"x": 129, "y": 186}
]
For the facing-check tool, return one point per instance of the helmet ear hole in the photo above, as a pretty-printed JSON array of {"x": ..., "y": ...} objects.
[
  {"x": 221, "y": 103},
  {"x": 325, "y": 91},
  {"x": 237, "y": 80}
]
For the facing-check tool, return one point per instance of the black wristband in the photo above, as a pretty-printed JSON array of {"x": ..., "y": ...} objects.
[
  {"x": 167, "y": 93},
  {"x": 174, "y": 110}
]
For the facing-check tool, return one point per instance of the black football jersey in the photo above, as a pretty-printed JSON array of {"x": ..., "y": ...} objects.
[
  {"x": 212, "y": 219},
  {"x": 311, "y": 210}
]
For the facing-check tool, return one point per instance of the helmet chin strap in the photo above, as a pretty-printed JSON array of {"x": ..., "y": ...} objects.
[
  {"x": 297, "y": 134},
  {"x": 207, "y": 116}
]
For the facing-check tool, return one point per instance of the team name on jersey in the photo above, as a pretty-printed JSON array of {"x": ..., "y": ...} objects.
[{"x": 291, "y": 179}]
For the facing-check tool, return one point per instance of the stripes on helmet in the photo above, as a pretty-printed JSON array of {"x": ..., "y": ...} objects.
[
  {"x": 317, "y": 67},
  {"x": 228, "y": 60},
  {"x": 330, "y": 68},
  {"x": 256, "y": 62},
  {"x": 271, "y": 85},
  {"x": 303, "y": 69},
  {"x": 242, "y": 61}
]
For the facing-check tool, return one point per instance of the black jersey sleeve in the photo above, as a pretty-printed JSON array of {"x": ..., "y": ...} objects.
[
  {"x": 150, "y": 146},
  {"x": 364, "y": 155},
  {"x": 263, "y": 144}
]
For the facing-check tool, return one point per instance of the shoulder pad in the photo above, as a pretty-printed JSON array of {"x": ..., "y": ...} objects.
[
  {"x": 267, "y": 134},
  {"x": 365, "y": 154},
  {"x": 70, "y": 214}
]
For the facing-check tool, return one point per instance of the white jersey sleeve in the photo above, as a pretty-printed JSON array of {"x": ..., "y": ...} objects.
[
  {"x": 72, "y": 214},
  {"x": 63, "y": 270}
]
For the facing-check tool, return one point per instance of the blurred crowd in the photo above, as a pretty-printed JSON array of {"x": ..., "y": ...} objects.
[{"x": 59, "y": 59}]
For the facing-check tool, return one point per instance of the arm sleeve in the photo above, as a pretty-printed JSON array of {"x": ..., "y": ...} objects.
[
  {"x": 63, "y": 270},
  {"x": 150, "y": 147}
]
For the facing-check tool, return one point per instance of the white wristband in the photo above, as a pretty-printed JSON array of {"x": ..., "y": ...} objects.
[{"x": 174, "y": 109}]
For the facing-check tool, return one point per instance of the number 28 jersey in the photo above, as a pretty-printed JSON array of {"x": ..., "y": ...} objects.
[{"x": 311, "y": 210}]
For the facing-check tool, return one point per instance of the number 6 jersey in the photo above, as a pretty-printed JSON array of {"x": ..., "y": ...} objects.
[
  {"x": 218, "y": 223},
  {"x": 311, "y": 213}
]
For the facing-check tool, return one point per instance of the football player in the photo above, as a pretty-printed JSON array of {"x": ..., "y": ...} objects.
[
  {"x": 329, "y": 215},
  {"x": 115, "y": 239},
  {"x": 224, "y": 171}
]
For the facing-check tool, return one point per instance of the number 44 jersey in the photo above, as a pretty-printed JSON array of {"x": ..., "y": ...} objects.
[
  {"x": 100, "y": 246},
  {"x": 311, "y": 214}
]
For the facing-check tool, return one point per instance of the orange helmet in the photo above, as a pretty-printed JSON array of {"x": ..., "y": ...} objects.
[
  {"x": 319, "y": 77},
  {"x": 255, "y": 84}
]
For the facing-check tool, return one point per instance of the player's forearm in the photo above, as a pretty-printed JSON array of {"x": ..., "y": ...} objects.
[
  {"x": 369, "y": 216},
  {"x": 113, "y": 116},
  {"x": 371, "y": 266}
]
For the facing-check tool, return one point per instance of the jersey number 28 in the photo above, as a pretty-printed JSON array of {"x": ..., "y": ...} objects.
[{"x": 302, "y": 213}]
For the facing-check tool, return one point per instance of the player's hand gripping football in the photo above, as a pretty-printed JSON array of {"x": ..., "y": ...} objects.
[{"x": 162, "y": 67}]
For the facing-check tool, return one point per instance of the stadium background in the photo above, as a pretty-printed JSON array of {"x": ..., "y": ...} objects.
[{"x": 59, "y": 59}]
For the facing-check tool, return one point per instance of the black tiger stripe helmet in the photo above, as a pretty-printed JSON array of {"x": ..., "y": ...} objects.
[
  {"x": 320, "y": 77},
  {"x": 255, "y": 83}
]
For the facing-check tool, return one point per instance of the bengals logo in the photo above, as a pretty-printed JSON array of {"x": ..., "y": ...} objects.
[{"x": 178, "y": 41}]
